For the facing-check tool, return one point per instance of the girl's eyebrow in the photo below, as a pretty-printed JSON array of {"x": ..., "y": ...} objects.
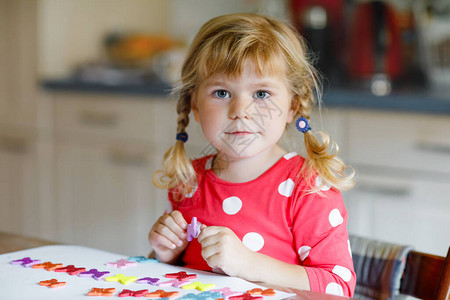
[
  {"x": 257, "y": 84},
  {"x": 213, "y": 83},
  {"x": 265, "y": 83}
]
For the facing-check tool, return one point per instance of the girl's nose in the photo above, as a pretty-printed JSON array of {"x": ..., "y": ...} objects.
[{"x": 239, "y": 108}]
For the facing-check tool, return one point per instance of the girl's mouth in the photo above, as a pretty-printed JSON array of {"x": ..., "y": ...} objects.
[{"x": 239, "y": 133}]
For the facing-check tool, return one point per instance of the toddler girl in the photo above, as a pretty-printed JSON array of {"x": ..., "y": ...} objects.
[{"x": 268, "y": 216}]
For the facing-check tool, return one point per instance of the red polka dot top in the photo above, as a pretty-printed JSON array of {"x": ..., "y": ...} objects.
[{"x": 277, "y": 215}]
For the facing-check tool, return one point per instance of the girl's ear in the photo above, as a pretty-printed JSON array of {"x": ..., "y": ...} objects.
[
  {"x": 295, "y": 105},
  {"x": 194, "y": 107}
]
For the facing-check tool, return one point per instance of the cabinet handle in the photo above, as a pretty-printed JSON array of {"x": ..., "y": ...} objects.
[
  {"x": 385, "y": 190},
  {"x": 120, "y": 157},
  {"x": 433, "y": 147},
  {"x": 14, "y": 145},
  {"x": 103, "y": 119}
]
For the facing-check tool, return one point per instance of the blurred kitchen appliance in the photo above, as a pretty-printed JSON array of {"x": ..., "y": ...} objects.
[
  {"x": 374, "y": 57},
  {"x": 433, "y": 21},
  {"x": 320, "y": 23}
]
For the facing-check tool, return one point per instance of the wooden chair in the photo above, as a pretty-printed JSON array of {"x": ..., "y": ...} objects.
[{"x": 426, "y": 276}]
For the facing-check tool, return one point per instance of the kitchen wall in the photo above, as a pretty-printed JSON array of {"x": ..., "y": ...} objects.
[{"x": 71, "y": 32}]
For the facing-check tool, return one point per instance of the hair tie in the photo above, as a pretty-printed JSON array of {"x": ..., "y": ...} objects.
[
  {"x": 182, "y": 136},
  {"x": 302, "y": 124}
]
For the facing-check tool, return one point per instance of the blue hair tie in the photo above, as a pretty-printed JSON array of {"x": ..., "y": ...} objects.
[
  {"x": 302, "y": 124},
  {"x": 182, "y": 136}
]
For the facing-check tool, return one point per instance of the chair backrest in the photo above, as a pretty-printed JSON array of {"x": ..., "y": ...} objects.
[{"x": 426, "y": 276}]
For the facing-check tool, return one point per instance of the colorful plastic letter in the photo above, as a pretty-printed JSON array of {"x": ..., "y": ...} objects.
[
  {"x": 121, "y": 278},
  {"x": 121, "y": 263},
  {"x": 47, "y": 265},
  {"x": 52, "y": 283},
  {"x": 70, "y": 269},
  {"x": 161, "y": 294},
  {"x": 193, "y": 229},
  {"x": 202, "y": 296},
  {"x": 148, "y": 280},
  {"x": 181, "y": 276},
  {"x": 199, "y": 286},
  {"x": 226, "y": 292},
  {"x": 26, "y": 262},
  {"x": 102, "y": 292},
  {"x": 129, "y": 293},
  {"x": 174, "y": 283},
  {"x": 142, "y": 259},
  {"x": 94, "y": 273}
]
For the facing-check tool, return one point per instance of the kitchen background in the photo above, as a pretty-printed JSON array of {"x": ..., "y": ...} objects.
[{"x": 86, "y": 113}]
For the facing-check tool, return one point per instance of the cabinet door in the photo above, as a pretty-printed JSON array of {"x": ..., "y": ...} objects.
[
  {"x": 106, "y": 197},
  {"x": 402, "y": 210},
  {"x": 19, "y": 203},
  {"x": 413, "y": 142}
]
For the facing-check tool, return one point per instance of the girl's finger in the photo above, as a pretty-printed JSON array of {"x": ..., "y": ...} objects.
[
  {"x": 210, "y": 250},
  {"x": 179, "y": 219},
  {"x": 208, "y": 231},
  {"x": 158, "y": 240},
  {"x": 169, "y": 221},
  {"x": 213, "y": 261},
  {"x": 209, "y": 241},
  {"x": 169, "y": 233}
]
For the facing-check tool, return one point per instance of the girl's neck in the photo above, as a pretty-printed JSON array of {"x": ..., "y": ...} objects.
[{"x": 239, "y": 170}]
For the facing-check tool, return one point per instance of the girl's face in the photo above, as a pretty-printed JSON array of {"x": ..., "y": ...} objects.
[{"x": 244, "y": 115}]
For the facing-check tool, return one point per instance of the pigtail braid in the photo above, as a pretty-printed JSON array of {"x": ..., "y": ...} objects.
[
  {"x": 322, "y": 158},
  {"x": 322, "y": 152},
  {"x": 177, "y": 168}
]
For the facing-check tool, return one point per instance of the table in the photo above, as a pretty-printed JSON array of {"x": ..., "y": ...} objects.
[{"x": 12, "y": 242}]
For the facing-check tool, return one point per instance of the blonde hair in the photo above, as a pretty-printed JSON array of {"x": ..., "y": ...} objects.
[{"x": 221, "y": 46}]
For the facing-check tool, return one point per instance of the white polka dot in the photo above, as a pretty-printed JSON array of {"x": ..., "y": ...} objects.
[
  {"x": 232, "y": 205},
  {"x": 208, "y": 163},
  {"x": 319, "y": 183},
  {"x": 286, "y": 187},
  {"x": 334, "y": 289},
  {"x": 303, "y": 251},
  {"x": 189, "y": 195},
  {"x": 290, "y": 155},
  {"x": 253, "y": 241},
  {"x": 335, "y": 217},
  {"x": 349, "y": 248},
  {"x": 343, "y": 272}
]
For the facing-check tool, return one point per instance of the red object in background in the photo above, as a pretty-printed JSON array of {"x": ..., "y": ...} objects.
[
  {"x": 334, "y": 8},
  {"x": 365, "y": 57},
  {"x": 335, "y": 15}
]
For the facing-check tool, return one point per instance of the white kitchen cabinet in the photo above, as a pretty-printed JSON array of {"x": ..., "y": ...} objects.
[
  {"x": 403, "y": 178},
  {"x": 19, "y": 209},
  {"x": 412, "y": 142},
  {"x": 106, "y": 197},
  {"x": 106, "y": 154},
  {"x": 401, "y": 209}
]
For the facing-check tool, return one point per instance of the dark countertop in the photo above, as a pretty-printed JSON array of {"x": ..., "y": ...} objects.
[
  {"x": 151, "y": 88},
  {"x": 419, "y": 101},
  {"x": 407, "y": 101}
]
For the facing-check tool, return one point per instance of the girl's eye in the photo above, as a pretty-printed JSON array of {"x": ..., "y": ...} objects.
[
  {"x": 221, "y": 94},
  {"x": 262, "y": 95}
]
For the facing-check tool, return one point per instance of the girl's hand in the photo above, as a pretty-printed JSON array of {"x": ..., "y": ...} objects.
[
  {"x": 223, "y": 250},
  {"x": 168, "y": 237}
]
